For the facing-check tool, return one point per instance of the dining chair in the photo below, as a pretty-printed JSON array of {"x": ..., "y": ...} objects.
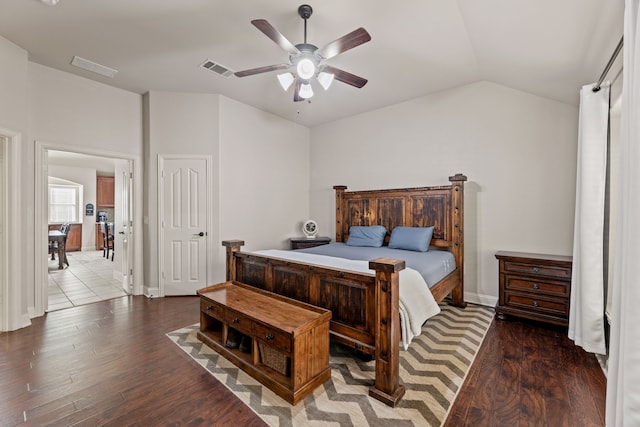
[
  {"x": 107, "y": 239},
  {"x": 53, "y": 246}
]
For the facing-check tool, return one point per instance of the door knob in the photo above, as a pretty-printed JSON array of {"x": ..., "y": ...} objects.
[{"x": 201, "y": 233}]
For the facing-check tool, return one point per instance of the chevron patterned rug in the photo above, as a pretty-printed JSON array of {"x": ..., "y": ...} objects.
[{"x": 432, "y": 370}]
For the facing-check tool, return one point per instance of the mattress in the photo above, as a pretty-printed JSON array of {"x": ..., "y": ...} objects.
[{"x": 433, "y": 265}]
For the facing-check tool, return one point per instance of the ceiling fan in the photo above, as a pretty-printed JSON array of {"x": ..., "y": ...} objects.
[{"x": 307, "y": 60}]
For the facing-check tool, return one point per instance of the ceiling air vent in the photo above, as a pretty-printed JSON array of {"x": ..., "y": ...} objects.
[{"x": 217, "y": 68}]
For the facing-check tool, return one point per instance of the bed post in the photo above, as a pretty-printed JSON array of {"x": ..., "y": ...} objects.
[
  {"x": 457, "y": 217},
  {"x": 232, "y": 246},
  {"x": 339, "y": 192},
  {"x": 387, "y": 387}
]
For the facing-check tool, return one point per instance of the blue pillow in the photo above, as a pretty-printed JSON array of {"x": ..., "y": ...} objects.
[
  {"x": 411, "y": 238},
  {"x": 372, "y": 236}
]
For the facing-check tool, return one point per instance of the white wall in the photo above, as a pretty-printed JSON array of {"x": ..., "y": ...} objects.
[
  {"x": 264, "y": 184},
  {"x": 71, "y": 113},
  {"x": 518, "y": 151},
  {"x": 260, "y": 164},
  {"x": 179, "y": 124}
]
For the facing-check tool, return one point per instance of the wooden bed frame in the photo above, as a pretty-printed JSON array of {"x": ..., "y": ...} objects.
[{"x": 365, "y": 310}]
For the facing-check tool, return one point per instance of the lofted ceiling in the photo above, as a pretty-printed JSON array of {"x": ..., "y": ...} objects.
[{"x": 545, "y": 47}]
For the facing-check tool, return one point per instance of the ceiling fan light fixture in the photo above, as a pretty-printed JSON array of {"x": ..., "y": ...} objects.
[
  {"x": 306, "y": 61},
  {"x": 306, "y": 91},
  {"x": 286, "y": 79},
  {"x": 306, "y": 68},
  {"x": 325, "y": 79}
]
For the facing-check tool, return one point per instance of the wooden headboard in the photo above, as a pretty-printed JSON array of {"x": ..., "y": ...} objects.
[{"x": 441, "y": 207}]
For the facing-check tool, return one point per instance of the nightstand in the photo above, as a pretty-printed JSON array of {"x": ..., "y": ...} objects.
[
  {"x": 303, "y": 242},
  {"x": 534, "y": 286}
]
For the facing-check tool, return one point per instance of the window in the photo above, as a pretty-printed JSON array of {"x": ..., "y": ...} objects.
[{"x": 65, "y": 203}]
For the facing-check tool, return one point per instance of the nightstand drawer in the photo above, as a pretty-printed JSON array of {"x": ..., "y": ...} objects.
[
  {"x": 538, "y": 270},
  {"x": 547, "y": 287},
  {"x": 304, "y": 243},
  {"x": 533, "y": 303}
]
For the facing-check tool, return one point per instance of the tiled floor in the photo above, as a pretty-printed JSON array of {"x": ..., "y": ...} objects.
[{"x": 87, "y": 279}]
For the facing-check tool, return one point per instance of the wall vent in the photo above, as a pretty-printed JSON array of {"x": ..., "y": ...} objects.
[
  {"x": 94, "y": 67},
  {"x": 217, "y": 68}
]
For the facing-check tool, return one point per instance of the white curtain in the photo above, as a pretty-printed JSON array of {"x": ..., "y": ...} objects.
[
  {"x": 586, "y": 314},
  {"x": 623, "y": 379}
]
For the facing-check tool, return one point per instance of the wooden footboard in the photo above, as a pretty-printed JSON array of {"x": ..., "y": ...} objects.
[{"x": 364, "y": 308}]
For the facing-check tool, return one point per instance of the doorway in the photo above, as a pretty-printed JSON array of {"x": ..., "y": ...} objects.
[{"x": 90, "y": 276}]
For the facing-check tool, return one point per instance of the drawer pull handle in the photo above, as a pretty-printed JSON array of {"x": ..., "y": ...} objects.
[
  {"x": 535, "y": 286},
  {"x": 235, "y": 320},
  {"x": 269, "y": 337},
  {"x": 536, "y": 270},
  {"x": 535, "y": 303},
  {"x": 209, "y": 307}
]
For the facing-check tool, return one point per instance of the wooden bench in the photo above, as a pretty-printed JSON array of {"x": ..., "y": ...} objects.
[{"x": 289, "y": 351}]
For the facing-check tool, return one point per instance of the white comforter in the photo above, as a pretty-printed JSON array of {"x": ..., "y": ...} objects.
[{"x": 416, "y": 301}]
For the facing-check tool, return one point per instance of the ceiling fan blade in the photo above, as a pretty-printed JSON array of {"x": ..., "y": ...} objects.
[
  {"x": 353, "y": 39},
  {"x": 269, "y": 31},
  {"x": 296, "y": 92},
  {"x": 259, "y": 70},
  {"x": 345, "y": 77}
]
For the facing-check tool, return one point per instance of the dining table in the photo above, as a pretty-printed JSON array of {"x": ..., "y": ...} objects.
[{"x": 59, "y": 237}]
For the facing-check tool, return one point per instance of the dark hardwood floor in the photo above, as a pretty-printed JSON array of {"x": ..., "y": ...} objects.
[
  {"x": 530, "y": 374},
  {"x": 110, "y": 363}
]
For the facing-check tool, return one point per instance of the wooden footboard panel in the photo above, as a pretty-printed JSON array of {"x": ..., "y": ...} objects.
[{"x": 350, "y": 296}]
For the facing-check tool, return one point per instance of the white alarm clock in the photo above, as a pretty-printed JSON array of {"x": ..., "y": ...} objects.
[{"x": 310, "y": 229}]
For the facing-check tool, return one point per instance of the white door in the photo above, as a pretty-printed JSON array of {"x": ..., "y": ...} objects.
[
  {"x": 183, "y": 225},
  {"x": 123, "y": 224}
]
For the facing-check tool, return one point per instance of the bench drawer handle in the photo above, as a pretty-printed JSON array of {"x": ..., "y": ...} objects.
[
  {"x": 535, "y": 286},
  {"x": 235, "y": 320},
  {"x": 269, "y": 337},
  {"x": 535, "y": 303}
]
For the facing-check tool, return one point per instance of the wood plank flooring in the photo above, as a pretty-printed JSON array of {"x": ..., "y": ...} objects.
[
  {"x": 110, "y": 363},
  {"x": 530, "y": 374}
]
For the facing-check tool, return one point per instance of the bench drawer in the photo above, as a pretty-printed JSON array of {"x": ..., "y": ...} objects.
[{"x": 273, "y": 337}]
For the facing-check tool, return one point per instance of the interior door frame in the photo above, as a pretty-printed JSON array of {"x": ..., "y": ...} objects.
[
  {"x": 124, "y": 234},
  {"x": 11, "y": 315},
  {"x": 209, "y": 206},
  {"x": 41, "y": 220}
]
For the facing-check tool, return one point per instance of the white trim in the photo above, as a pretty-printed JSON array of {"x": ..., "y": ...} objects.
[
  {"x": 152, "y": 292},
  {"x": 486, "y": 300},
  {"x": 40, "y": 227},
  {"x": 160, "y": 199},
  {"x": 13, "y": 311}
]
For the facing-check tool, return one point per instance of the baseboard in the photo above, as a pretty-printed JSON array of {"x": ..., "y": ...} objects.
[
  {"x": 152, "y": 292},
  {"x": 481, "y": 299},
  {"x": 25, "y": 319}
]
